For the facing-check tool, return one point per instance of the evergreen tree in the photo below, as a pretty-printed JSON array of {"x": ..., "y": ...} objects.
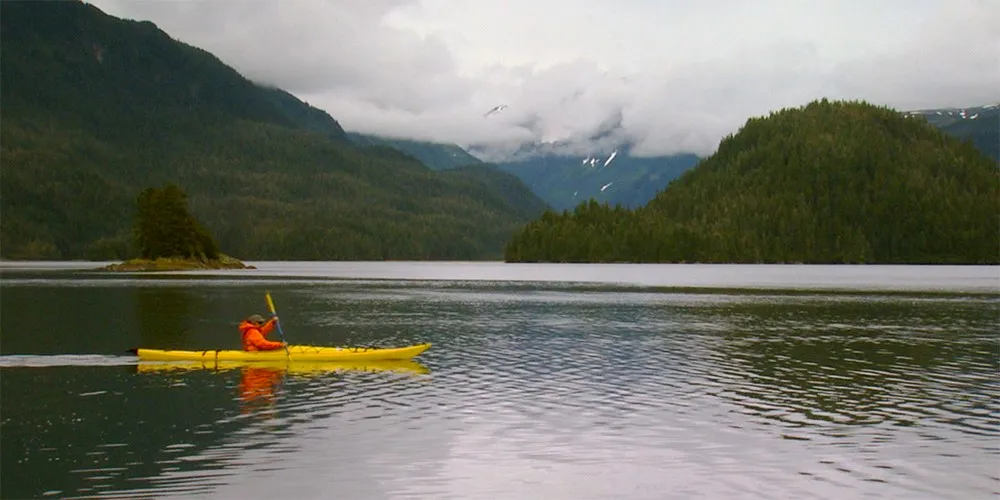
[{"x": 165, "y": 228}]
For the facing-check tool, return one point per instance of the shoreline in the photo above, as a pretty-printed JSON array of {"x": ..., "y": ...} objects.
[{"x": 175, "y": 264}]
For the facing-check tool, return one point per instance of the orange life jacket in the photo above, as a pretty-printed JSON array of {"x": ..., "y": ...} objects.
[{"x": 253, "y": 337}]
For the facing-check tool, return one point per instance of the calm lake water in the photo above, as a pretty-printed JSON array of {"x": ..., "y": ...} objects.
[{"x": 543, "y": 381}]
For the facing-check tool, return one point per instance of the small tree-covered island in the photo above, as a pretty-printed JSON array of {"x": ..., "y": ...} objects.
[
  {"x": 828, "y": 182},
  {"x": 168, "y": 238}
]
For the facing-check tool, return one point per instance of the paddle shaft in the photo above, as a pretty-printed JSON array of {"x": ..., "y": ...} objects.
[{"x": 270, "y": 305}]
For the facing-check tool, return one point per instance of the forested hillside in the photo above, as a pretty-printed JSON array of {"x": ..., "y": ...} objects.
[
  {"x": 97, "y": 109},
  {"x": 830, "y": 182}
]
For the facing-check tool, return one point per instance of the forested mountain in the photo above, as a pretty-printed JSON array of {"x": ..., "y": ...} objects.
[
  {"x": 830, "y": 182},
  {"x": 979, "y": 124},
  {"x": 97, "y": 109}
]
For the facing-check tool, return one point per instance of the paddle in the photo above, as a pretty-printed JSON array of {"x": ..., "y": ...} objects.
[{"x": 270, "y": 305}]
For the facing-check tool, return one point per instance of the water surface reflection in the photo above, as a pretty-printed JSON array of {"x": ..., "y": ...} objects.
[{"x": 560, "y": 391}]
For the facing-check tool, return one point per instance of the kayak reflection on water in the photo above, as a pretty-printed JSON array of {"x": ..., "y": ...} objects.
[
  {"x": 257, "y": 387},
  {"x": 260, "y": 381}
]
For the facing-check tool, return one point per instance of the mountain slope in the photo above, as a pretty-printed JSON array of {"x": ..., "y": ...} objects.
[
  {"x": 436, "y": 156},
  {"x": 95, "y": 109},
  {"x": 831, "y": 182},
  {"x": 561, "y": 181},
  {"x": 506, "y": 189},
  {"x": 566, "y": 181},
  {"x": 980, "y": 125},
  {"x": 64, "y": 50}
]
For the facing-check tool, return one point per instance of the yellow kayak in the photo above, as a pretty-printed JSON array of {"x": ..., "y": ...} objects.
[
  {"x": 294, "y": 353},
  {"x": 286, "y": 366}
]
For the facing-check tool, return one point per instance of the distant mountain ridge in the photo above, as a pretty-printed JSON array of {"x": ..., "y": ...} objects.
[
  {"x": 945, "y": 116},
  {"x": 435, "y": 155},
  {"x": 979, "y": 124},
  {"x": 561, "y": 180},
  {"x": 616, "y": 178}
]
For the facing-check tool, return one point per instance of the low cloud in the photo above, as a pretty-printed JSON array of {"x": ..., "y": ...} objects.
[{"x": 431, "y": 75}]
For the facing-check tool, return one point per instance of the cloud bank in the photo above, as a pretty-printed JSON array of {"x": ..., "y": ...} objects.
[{"x": 588, "y": 75}]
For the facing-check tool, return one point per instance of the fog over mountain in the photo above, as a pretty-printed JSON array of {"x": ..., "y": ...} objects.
[{"x": 586, "y": 76}]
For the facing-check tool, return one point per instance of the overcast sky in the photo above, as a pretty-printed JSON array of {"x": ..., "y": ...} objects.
[{"x": 666, "y": 75}]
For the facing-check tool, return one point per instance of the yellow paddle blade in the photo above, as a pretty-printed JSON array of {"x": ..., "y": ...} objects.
[{"x": 270, "y": 304}]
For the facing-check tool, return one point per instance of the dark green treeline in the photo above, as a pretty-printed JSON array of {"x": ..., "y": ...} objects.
[{"x": 829, "y": 182}]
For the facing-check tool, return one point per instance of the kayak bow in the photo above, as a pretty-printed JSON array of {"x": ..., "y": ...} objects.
[{"x": 294, "y": 353}]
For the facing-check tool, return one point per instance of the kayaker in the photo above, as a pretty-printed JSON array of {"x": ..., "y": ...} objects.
[{"x": 254, "y": 329}]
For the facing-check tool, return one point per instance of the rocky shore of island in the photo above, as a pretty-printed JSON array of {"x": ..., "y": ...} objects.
[{"x": 176, "y": 264}]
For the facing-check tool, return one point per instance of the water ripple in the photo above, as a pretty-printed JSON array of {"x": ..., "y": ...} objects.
[{"x": 50, "y": 360}]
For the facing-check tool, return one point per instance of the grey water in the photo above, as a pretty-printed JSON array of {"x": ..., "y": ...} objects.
[{"x": 543, "y": 381}]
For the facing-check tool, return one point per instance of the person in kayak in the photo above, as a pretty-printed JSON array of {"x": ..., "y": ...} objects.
[{"x": 254, "y": 329}]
